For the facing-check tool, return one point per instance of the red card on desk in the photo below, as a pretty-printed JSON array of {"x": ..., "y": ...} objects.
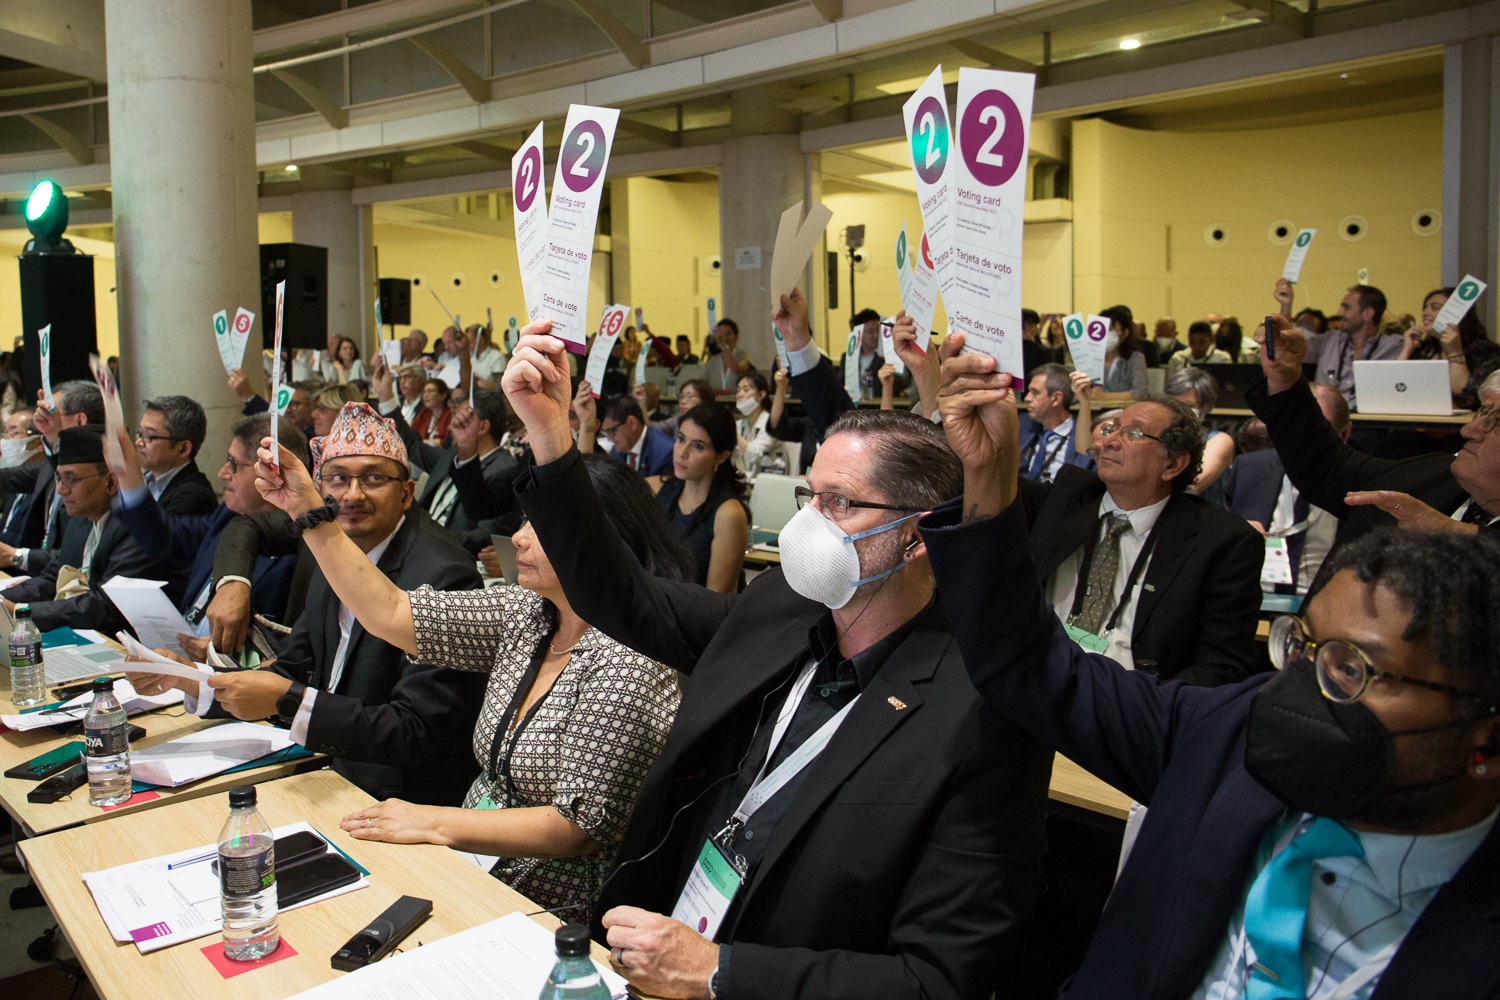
[
  {"x": 134, "y": 800},
  {"x": 229, "y": 968}
]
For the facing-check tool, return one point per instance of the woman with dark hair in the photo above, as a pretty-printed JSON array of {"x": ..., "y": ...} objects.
[
  {"x": 706, "y": 497},
  {"x": 753, "y": 440},
  {"x": 1230, "y": 338},
  {"x": 345, "y": 363},
  {"x": 1124, "y": 362},
  {"x": 1470, "y": 353},
  {"x": 431, "y": 421},
  {"x": 572, "y": 720}
]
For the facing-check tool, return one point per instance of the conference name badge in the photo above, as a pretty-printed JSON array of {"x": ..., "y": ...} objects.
[
  {"x": 1087, "y": 641},
  {"x": 1278, "y": 565},
  {"x": 709, "y": 891}
]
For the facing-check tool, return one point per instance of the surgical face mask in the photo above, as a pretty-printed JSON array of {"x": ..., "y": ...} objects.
[
  {"x": 746, "y": 406},
  {"x": 1319, "y": 756},
  {"x": 1111, "y": 339},
  {"x": 15, "y": 451},
  {"x": 1165, "y": 343},
  {"x": 819, "y": 560}
]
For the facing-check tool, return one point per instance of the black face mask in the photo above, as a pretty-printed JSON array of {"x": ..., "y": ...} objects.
[{"x": 1314, "y": 754}]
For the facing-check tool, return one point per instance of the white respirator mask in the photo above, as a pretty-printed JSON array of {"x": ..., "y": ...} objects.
[
  {"x": 819, "y": 559},
  {"x": 746, "y": 406},
  {"x": 15, "y": 451}
]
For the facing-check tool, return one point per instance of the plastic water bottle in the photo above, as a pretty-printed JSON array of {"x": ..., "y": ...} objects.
[
  {"x": 106, "y": 748},
  {"x": 28, "y": 683},
  {"x": 247, "y": 880},
  {"x": 574, "y": 977}
]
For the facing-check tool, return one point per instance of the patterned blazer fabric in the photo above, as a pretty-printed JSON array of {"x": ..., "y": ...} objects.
[{"x": 589, "y": 744}]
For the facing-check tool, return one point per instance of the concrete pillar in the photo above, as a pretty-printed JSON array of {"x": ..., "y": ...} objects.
[
  {"x": 760, "y": 176},
  {"x": 323, "y": 216},
  {"x": 182, "y": 162},
  {"x": 1471, "y": 167}
]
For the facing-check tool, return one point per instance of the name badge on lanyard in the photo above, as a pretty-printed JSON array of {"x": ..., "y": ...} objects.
[
  {"x": 720, "y": 871},
  {"x": 1278, "y": 565}
]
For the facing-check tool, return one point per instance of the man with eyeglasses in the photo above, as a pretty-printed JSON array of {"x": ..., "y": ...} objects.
[
  {"x": 20, "y": 445},
  {"x": 1324, "y": 832},
  {"x": 167, "y": 440},
  {"x": 631, "y": 440},
  {"x": 1138, "y": 567},
  {"x": 833, "y": 815},
  {"x": 95, "y": 548},
  {"x": 190, "y": 540},
  {"x": 397, "y": 728},
  {"x": 73, "y": 404},
  {"x": 1363, "y": 491}
]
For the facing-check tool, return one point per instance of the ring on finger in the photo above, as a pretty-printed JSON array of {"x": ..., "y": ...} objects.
[{"x": 619, "y": 957}]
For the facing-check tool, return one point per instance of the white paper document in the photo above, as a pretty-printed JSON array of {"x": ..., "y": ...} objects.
[
  {"x": 1085, "y": 335},
  {"x": 505, "y": 959},
  {"x": 918, "y": 285},
  {"x": 174, "y": 898},
  {"x": 571, "y": 220},
  {"x": 610, "y": 325},
  {"x": 391, "y": 351},
  {"x": 44, "y": 341},
  {"x": 530, "y": 203},
  {"x": 156, "y": 663},
  {"x": 931, "y": 139},
  {"x": 1295, "y": 255},
  {"x": 989, "y": 194},
  {"x": 451, "y": 373},
  {"x": 156, "y": 621},
  {"x": 1458, "y": 304},
  {"x": 77, "y": 708},
  {"x": 206, "y": 752}
]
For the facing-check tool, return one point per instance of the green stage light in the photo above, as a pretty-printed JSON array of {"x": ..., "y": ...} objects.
[{"x": 47, "y": 217}]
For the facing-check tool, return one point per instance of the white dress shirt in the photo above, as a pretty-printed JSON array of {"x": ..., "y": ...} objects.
[
  {"x": 1317, "y": 532},
  {"x": 157, "y": 484},
  {"x": 1359, "y": 910},
  {"x": 1065, "y": 579}
]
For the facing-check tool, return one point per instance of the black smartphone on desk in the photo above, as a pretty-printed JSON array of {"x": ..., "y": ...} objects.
[
  {"x": 303, "y": 881},
  {"x": 45, "y": 765}
]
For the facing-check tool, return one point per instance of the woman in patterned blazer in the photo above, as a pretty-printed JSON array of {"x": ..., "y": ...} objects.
[{"x": 571, "y": 722}]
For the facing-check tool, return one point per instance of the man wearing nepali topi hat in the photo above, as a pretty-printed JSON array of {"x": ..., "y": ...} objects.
[
  {"x": 95, "y": 548},
  {"x": 398, "y": 728}
]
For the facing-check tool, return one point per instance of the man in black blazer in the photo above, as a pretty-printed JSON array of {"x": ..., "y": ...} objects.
[
  {"x": 74, "y": 404},
  {"x": 1190, "y": 613},
  {"x": 901, "y": 861},
  {"x": 398, "y": 728},
  {"x": 1389, "y": 798},
  {"x": 167, "y": 439},
  {"x": 1326, "y": 469},
  {"x": 95, "y": 542}
]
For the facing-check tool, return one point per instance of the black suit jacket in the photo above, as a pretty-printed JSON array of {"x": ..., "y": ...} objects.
[
  {"x": 906, "y": 860},
  {"x": 1200, "y": 595},
  {"x": 398, "y": 728},
  {"x": 188, "y": 492},
  {"x": 1325, "y": 469},
  {"x": 1253, "y": 485},
  {"x": 117, "y": 554},
  {"x": 487, "y": 486},
  {"x": 1180, "y": 750},
  {"x": 39, "y": 480}
]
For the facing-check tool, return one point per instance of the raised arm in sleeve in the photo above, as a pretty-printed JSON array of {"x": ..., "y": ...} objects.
[
  {"x": 267, "y": 533},
  {"x": 670, "y": 622}
]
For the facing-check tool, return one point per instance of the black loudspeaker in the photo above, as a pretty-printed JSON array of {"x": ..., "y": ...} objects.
[
  {"x": 395, "y": 301},
  {"x": 58, "y": 289},
  {"x": 305, "y": 318},
  {"x": 833, "y": 279}
]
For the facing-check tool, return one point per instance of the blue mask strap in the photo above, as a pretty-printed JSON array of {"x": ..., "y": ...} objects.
[{"x": 875, "y": 531}]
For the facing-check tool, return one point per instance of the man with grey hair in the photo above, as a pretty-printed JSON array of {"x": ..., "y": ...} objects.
[
  {"x": 170, "y": 432},
  {"x": 871, "y": 832},
  {"x": 1047, "y": 425},
  {"x": 74, "y": 403},
  {"x": 1364, "y": 491},
  {"x": 1157, "y": 578}
]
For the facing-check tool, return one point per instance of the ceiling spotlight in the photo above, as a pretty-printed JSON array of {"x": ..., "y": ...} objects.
[
  {"x": 1130, "y": 43},
  {"x": 291, "y": 168},
  {"x": 47, "y": 217}
]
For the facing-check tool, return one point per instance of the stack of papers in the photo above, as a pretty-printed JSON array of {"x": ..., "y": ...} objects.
[
  {"x": 205, "y": 752},
  {"x": 150, "y": 612},
  {"x": 77, "y": 708},
  {"x": 508, "y": 959},
  {"x": 173, "y": 898}
]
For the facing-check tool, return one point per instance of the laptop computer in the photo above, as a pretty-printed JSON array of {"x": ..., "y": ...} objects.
[
  {"x": 1233, "y": 381},
  {"x": 1413, "y": 387},
  {"x": 505, "y": 552}
]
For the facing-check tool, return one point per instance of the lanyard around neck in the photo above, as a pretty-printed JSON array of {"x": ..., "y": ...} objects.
[{"x": 1135, "y": 575}]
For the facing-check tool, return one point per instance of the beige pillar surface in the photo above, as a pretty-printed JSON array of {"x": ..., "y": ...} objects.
[
  {"x": 182, "y": 161},
  {"x": 323, "y": 216},
  {"x": 760, "y": 176}
]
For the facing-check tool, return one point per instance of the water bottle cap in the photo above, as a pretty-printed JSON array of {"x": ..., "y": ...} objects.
[
  {"x": 242, "y": 796},
  {"x": 103, "y": 684},
  {"x": 572, "y": 941},
  {"x": 23, "y": 611}
]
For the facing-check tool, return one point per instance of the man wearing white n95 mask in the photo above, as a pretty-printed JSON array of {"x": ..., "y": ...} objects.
[{"x": 834, "y": 814}]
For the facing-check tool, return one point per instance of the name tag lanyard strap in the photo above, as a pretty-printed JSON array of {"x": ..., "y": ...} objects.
[
  {"x": 767, "y": 785},
  {"x": 1080, "y": 590}
]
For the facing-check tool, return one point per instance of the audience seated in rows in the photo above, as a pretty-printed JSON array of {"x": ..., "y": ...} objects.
[
  {"x": 20, "y": 445},
  {"x": 1200, "y": 350},
  {"x": 73, "y": 404}
]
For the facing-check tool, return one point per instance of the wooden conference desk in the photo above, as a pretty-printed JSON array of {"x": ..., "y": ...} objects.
[
  {"x": 463, "y": 896},
  {"x": 167, "y": 724}
]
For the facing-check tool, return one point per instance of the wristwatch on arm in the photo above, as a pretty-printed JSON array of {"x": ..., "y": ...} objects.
[{"x": 287, "y": 704}]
